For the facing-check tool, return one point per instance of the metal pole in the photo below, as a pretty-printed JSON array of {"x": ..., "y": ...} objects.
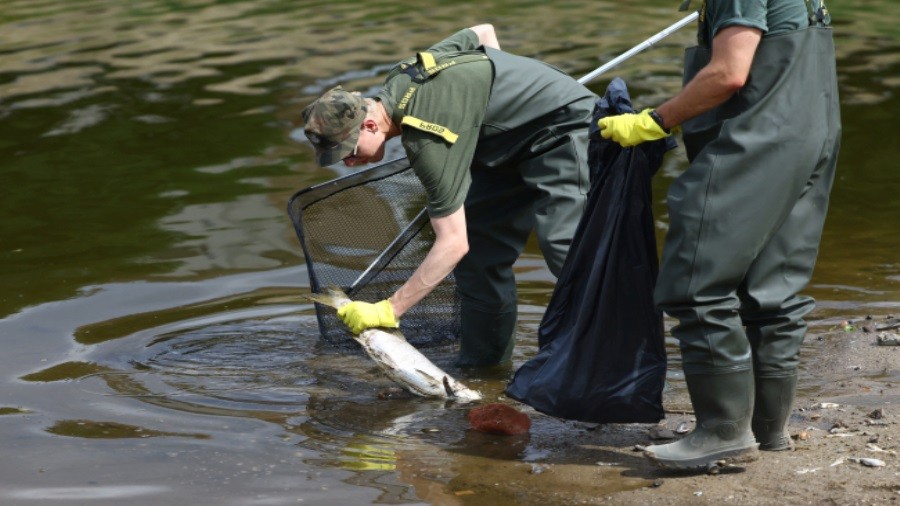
[{"x": 640, "y": 47}]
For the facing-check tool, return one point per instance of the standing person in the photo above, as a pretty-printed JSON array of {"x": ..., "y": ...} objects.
[
  {"x": 761, "y": 126},
  {"x": 500, "y": 144}
]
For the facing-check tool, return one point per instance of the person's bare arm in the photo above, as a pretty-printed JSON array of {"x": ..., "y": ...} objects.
[
  {"x": 450, "y": 246},
  {"x": 733, "y": 49},
  {"x": 486, "y": 35}
]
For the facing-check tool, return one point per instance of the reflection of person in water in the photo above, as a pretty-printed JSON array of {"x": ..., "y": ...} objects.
[
  {"x": 425, "y": 444},
  {"x": 500, "y": 143}
]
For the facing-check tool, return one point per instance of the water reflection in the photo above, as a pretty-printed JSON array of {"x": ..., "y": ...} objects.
[
  {"x": 154, "y": 138},
  {"x": 110, "y": 430},
  {"x": 201, "y": 365},
  {"x": 268, "y": 364},
  {"x": 94, "y": 493}
]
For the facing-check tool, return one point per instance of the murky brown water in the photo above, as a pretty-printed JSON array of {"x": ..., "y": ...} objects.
[{"x": 157, "y": 348}]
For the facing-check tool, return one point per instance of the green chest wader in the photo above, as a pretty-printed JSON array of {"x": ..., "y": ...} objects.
[
  {"x": 747, "y": 215},
  {"x": 746, "y": 220},
  {"x": 529, "y": 173},
  {"x": 485, "y": 332}
]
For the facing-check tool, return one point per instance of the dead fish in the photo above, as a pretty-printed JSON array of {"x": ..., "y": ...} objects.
[
  {"x": 888, "y": 339},
  {"x": 401, "y": 361},
  {"x": 869, "y": 462},
  {"x": 872, "y": 447}
]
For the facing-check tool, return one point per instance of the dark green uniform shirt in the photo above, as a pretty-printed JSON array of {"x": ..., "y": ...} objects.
[
  {"x": 441, "y": 119},
  {"x": 772, "y": 16},
  {"x": 492, "y": 103}
]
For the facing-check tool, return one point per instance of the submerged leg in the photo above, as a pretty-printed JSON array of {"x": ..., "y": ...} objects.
[{"x": 498, "y": 223}]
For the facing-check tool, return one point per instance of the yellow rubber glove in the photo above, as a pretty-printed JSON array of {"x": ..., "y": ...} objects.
[
  {"x": 631, "y": 129},
  {"x": 360, "y": 316}
]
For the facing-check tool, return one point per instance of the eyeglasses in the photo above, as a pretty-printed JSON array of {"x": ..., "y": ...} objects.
[{"x": 321, "y": 142}]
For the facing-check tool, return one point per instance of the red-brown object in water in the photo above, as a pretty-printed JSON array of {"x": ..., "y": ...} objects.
[{"x": 499, "y": 419}]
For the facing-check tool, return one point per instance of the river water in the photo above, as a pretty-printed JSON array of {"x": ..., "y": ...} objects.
[{"x": 157, "y": 345}]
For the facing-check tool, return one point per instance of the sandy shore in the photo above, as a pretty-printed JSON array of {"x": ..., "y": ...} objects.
[
  {"x": 853, "y": 417},
  {"x": 847, "y": 411}
]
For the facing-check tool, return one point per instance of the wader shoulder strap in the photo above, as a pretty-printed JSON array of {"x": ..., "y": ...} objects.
[
  {"x": 424, "y": 67},
  {"x": 701, "y": 21},
  {"x": 818, "y": 13},
  {"x": 427, "y": 65}
]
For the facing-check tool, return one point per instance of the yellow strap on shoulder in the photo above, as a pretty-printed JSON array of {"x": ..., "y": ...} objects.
[
  {"x": 427, "y": 60},
  {"x": 431, "y": 128}
]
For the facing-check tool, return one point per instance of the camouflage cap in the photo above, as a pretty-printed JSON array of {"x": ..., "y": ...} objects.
[{"x": 332, "y": 124}]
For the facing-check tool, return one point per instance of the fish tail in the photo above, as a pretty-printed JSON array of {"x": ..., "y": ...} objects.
[
  {"x": 331, "y": 297},
  {"x": 448, "y": 389}
]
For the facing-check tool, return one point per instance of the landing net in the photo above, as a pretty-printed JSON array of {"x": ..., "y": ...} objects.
[{"x": 366, "y": 233}]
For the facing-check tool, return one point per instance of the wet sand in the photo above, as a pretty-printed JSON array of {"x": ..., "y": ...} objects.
[{"x": 855, "y": 415}]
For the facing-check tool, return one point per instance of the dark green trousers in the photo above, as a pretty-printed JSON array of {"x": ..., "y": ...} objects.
[{"x": 542, "y": 189}]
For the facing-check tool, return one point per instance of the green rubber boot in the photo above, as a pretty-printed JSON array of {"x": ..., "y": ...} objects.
[
  {"x": 723, "y": 405},
  {"x": 774, "y": 396}
]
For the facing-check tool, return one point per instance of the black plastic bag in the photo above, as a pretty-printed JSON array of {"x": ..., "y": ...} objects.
[{"x": 602, "y": 357}]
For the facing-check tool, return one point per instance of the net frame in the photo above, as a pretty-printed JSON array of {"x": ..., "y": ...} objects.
[{"x": 366, "y": 233}]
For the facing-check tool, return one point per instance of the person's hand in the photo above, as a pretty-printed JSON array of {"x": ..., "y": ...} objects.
[
  {"x": 631, "y": 129},
  {"x": 360, "y": 316}
]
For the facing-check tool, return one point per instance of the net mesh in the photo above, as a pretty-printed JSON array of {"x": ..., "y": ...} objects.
[{"x": 366, "y": 233}]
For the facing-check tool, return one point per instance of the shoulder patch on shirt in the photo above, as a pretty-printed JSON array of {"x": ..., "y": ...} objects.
[{"x": 432, "y": 128}]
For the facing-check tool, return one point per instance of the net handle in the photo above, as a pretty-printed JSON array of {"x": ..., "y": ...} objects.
[
  {"x": 662, "y": 34},
  {"x": 389, "y": 252}
]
